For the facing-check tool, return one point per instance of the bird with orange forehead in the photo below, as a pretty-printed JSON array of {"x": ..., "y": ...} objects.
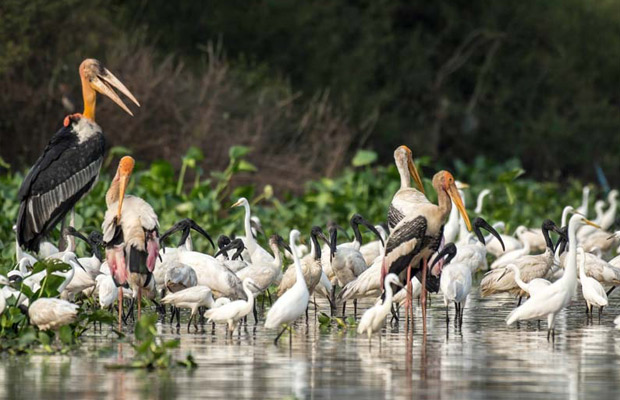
[
  {"x": 130, "y": 231},
  {"x": 418, "y": 231}
]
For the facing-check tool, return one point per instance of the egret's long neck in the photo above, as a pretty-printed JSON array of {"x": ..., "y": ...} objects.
[
  {"x": 299, "y": 273},
  {"x": 570, "y": 272},
  {"x": 249, "y": 295},
  {"x": 23, "y": 266},
  {"x": 68, "y": 279},
  {"x": 247, "y": 222},
  {"x": 90, "y": 99},
  {"x": 387, "y": 302},
  {"x": 480, "y": 201},
  {"x": 584, "y": 201},
  {"x": 565, "y": 215}
]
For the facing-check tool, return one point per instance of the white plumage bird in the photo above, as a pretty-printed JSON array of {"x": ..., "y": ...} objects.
[
  {"x": 593, "y": 292},
  {"x": 51, "y": 314},
  {"x": 192, "y": 298},
  {"x": 294, "y": 302},
  {"x": 374, "y": 318},
  {"x": 554, "y": 298},
  {"x": 232, "y": 312}
]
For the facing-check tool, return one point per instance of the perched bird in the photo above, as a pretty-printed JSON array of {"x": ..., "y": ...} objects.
[
  {"x": 192, "y": 298},
  {"x": 51, "y": 314},
  {"x": 374, "y": 318},
  {"x": 294, "y": 302},
  {"x": 130, "y": 231},
  {"x": 70, "y": 163}
]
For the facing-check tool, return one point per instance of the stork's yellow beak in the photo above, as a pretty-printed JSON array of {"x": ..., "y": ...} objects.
[
  {"x": 413, "y": 171},
  {"x": 453, "y": 192},
  {"x": 237, "y": 204}
]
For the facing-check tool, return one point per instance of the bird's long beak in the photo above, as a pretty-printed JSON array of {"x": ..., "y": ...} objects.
[
  {"x": 374, "y": 230},
  {"x": 588, "y": 222},
  {"x": 482, "y": 223},
  {"x": 125, "y": 169},
  {"x": 456, "y": 198},
  {"x": 237, "y": 204},
  {"x": 413, "y": 171},
  {"x": 323, "y": 237},
  {"x": 105, "y": 81},
  {"x": 333, "y": 242},
  {"x": 502, "y": 275}
]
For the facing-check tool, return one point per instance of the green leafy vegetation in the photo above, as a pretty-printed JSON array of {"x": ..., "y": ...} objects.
[{"x": 152, "y": 352}]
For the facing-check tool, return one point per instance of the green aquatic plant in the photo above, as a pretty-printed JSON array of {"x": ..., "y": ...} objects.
[{"x": 151, "y": 351}]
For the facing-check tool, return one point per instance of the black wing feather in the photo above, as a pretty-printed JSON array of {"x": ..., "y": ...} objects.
[{"x": 63, "y": 174}]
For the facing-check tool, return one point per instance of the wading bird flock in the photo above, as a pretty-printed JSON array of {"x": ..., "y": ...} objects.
[{"x": 424, "y": 247}]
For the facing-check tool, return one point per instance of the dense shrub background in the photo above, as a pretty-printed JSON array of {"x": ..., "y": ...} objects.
[{"x": 308, "y": 83}]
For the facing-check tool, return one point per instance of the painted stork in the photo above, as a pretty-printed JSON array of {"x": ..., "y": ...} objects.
[
  {"x": 70, "y": 163},
  {"x": 130, "y": 231},
  {"x": 419, "y": 232},
  {"x": 406, "y": 199}
]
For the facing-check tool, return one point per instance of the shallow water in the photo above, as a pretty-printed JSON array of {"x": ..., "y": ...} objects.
[{"x": 485, "y": 359}]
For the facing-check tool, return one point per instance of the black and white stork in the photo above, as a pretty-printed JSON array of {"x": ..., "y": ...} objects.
[
  {"x": 70, "y": 163},
  {"x": 418, "y": 234},
  {"x": 130, "y": 232}
]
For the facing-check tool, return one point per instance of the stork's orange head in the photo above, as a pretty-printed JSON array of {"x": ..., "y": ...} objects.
[
  {"x": 443, "y": 180},
  {"x": 125, "y": 166}
]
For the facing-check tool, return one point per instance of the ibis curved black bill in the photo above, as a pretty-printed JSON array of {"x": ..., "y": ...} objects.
[
  {"x": 448, "y": 251},
  {"x": 236, "y": 244},
  {"x": 480, "y": 223}
]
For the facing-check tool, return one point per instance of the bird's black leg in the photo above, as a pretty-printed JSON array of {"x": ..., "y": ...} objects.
[
  {"x": 344, "y": 307},
  {"x": 332, "y": 303},
  {"x": 190, "y": 321},
  {"x": 519, "y": 302},
  {"x": 275, "y": 342},
  {"x": 269, "y": 295},
  {"x": 610, "y": 290},
  {"x": 307, "y": 308},
  {"x": 600, "y": 311},
  {"x": 255, "y": 313},
  {"x": 394, "y": 314},
  {"x": 461, "y": 309},
  {"x": 173, "y": 313},
  {"x": 447, "y": 315},
  {"x": 355, "y": 308}
]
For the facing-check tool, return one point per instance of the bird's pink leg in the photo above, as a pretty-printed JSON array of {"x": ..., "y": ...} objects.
[
  {"x": 120, "y": 308},
  {"x": 139, "y": 301},
  {"x": 409, "y": 302},
  {"x": 423, "y": 295}
]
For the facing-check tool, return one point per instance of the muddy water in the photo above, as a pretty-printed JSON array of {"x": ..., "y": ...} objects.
[{"x": 484, "y": 359}]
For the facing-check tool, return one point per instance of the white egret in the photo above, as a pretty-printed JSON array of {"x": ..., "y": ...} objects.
[
  {"x": 551, "y": 300},
  {"x": 293, "y": 303},
  {"x": 374, "y": 318},
  {"x": 232, "y": 312}
]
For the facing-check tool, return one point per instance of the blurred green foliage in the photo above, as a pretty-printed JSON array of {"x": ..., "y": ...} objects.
[
  {"x": 368, "y": 190},
  {"x": 533, "y": 79}
]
